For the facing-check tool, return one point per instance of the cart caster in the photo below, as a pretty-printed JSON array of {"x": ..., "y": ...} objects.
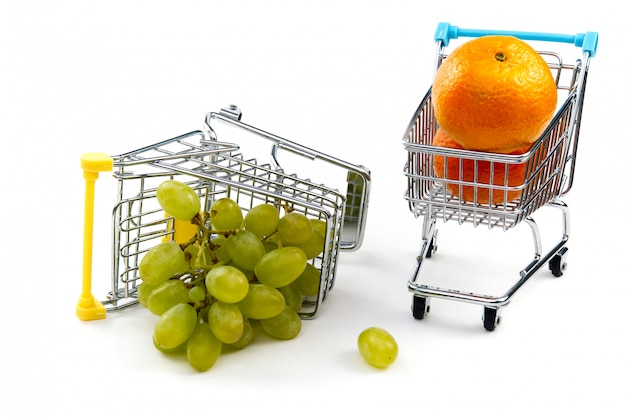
[
  {"x": 558, "y": 263},
  {"x": 420, "y": 307},
  {"x": 491, "y": 319}
]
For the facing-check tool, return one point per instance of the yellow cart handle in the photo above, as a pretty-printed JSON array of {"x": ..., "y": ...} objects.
[{"x": 88, "y": 308}]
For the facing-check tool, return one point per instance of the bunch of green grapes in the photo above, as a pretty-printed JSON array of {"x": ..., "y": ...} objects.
[{"x": 238, "y": 275}]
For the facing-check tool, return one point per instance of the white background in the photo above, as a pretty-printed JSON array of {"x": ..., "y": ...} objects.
[{"x": 340, "y": 77}]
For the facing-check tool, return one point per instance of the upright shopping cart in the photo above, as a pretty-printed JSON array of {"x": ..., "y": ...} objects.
[
  {"x": 221, "y": 160},
  {"x": 549, "y": 174}
]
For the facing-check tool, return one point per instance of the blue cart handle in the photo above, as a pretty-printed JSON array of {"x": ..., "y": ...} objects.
[{"x": 587, "y": 41}]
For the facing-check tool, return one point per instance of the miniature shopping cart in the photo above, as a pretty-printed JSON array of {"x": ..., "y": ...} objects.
[
  {"x": 212, "y": 161},
  {"x": 549, "y": 174}
]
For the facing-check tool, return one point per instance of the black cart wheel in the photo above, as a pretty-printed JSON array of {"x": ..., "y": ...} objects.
[
  {"x": 490, "y": 319},
  {"x": 420, "y": 307},
  {"x": 558, "y": 263}
]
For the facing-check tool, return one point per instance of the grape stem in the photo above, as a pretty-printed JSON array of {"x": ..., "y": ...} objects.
[
  {"x": 225, "y": 232},
  {"x": 286, "y": 207}
]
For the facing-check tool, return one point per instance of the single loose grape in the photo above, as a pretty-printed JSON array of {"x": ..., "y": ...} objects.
[
  {"x": 262, "y": 220},
  {"x": 162, "y": 262},
  {"x": 280, "y": 267},
  {"x": 294, "y": 228},
  {"x": 203, "y": 348},
  {"x": 227, "y": 284},
  {"x": 378, "y": 347},
  {"x": 178, "y": 199},
  {"x": 225, "y": 214}
]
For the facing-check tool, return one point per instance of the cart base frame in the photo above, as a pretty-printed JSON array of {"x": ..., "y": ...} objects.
[{"x": 555, "y": 258}]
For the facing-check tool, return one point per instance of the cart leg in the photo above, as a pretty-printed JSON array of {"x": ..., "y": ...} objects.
[
  {"x": 421, "y": 304},
  {"x": 88, "y": 308},
  {"x": 558, "y": 263}
]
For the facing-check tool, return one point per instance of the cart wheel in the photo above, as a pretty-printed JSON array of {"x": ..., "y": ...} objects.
[
  {"x": 558, "y": 263},
  {"x": 420, "y": 307},
  {"x": 491, "y": 319}
]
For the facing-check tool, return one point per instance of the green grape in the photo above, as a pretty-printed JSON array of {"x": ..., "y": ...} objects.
[
  {"x": 166, "y": 295},
  {"x": 284, "y": 326},
  {"x": 197, "y": 294},
  {"x": 162, "y": 262},
  {"x": 191, "y": 254},
  {"x": 319, "y": 226},
  {"x": 378, "y": 347},
  {"x": 225, "y": 214},
  {"x": 293, "y": 296},
  {"x": 219, "y": 241},
  {"x": 227, "y": 284},
  {"x": 204, "y": 313},
  {"x": 262, "y": 220},
  {"x": 247, "y": 273},
  {"x": 280, "y": 267},
  {"x": 203, "y": 348},
  {"x": 270, "y": 245},
  {"x": 143, "y": 293},
  {"x": 175, "y": 326},
  {"x": 313, "y": 246},
  {"x": 180, "y": 349},
  {"x": 226, "y": 322},
  {"x": 246, "y": 338},
  {"x": 294, "y": 228},
  {"x": 309, "y": 281},
  {"x": 261, "y": 302},
  {"x": 178, "y": 199},
  {"x": 245, "y": 249}
]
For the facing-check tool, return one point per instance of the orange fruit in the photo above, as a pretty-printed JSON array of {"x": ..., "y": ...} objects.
[
  {"x": 478, "y": 171},
  {"x": 494, "y": 93}
]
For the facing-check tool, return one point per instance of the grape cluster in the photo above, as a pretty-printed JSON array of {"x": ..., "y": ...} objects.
[{"x": 235, "y": 275}]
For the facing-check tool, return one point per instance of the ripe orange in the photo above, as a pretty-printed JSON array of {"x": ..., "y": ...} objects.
[
  {"x": 478, "y": 171},
  {"x": 494, "y": 93}
]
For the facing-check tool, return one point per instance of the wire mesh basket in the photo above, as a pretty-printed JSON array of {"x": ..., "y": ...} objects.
[
  {"x": 548, "y": 172},
  {"x": 216, "y": 169}
]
